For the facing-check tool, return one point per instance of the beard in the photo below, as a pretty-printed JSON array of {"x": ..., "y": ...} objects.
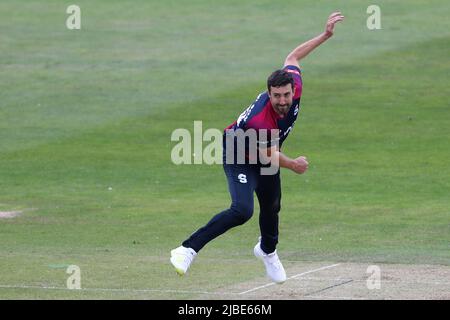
[{"x": 283, "y": 108}]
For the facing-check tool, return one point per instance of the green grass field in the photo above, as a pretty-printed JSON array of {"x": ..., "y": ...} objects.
[{"x": 86, "y": 118}]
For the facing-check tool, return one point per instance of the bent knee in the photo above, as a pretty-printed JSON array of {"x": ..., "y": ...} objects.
[
  {"x": 242, "y": 212},
  {"x": 273, "y": 208},
  {"x": 276, "y": 207}
]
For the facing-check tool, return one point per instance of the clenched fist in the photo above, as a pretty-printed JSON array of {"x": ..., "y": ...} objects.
[{"x": 299, "y": 165}]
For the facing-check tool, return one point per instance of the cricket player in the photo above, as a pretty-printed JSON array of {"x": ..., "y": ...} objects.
[{"x": 271, "y": 117}]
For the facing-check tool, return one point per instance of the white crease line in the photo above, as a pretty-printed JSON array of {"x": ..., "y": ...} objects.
[
  {"x": 157, "y": 290},
  {"x": 113, "y": 290},
  {"x": 394, "y": 281},
  {"x": 293, "y": 277}
]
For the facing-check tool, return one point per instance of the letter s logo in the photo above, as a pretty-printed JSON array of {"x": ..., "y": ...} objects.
[{"x": 242, "y": 178}]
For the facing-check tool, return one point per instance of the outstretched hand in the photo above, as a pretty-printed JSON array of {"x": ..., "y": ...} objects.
[{"x": 332, "y": 20}]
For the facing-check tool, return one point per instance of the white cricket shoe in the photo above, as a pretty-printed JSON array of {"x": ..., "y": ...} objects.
[
  {"x": 274, "y": 268},
  {"x": 181, "y": 258}
]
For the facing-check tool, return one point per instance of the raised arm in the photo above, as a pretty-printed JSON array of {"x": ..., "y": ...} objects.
[{"x": 305, "y": 48}]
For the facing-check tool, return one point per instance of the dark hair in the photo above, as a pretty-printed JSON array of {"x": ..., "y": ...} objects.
[{"x": 280, "y": 78}]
